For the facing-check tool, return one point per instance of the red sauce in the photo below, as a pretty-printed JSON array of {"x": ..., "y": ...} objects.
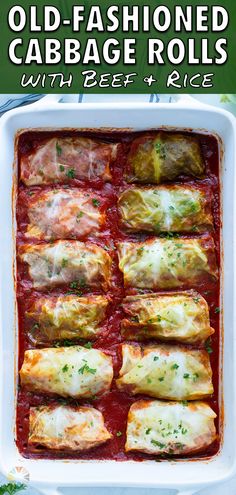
[{"x": 114, "y": 405}]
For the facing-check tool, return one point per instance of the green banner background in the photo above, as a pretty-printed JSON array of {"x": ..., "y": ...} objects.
[{"x": 10, "y": 74}]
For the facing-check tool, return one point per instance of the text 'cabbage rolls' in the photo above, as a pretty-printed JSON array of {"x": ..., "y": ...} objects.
[
  {"x": 157, "y": 427},
  {"x": 166, "y": 372},
  {"x": 166, "y": 209},
  {"x": 67, "y": 428},
  {"x": 180, "y": 316},
  {"x": 63, "y": 262},
  {"x": 67, "y": 371},
  {"x": 66, "y": 317},
  {"x": 166, "y": 264},
  {"x": 164, "y": 156},
  {"x": 63, "y": 214},
  {"x": 60, "y": 159}
]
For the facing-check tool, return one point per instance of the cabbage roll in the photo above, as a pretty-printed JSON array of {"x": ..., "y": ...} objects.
[
  {"x": 66, "y": 317},
  {"x": 66, "y": 428},
  {"x": 164, "y": 156},
  {"x": 166, "y": 209},
  {"x": 64, "y": 262},
  {"x": 60, "y": 159},
  {"x": 167, "y": 263},
  {"x": 166, "y": 372},
  {"x": 180, "y": 316},
  {"x": 157, "y": 427},
  {"x": 63, "y": 214},
  {"x": 67, "y": 371}
]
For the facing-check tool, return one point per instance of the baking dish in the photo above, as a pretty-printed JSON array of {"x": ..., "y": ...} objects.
[{"x": 187, "y": 475}]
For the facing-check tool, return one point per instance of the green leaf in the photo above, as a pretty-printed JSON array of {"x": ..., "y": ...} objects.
[{"x": 11, "y": 488}]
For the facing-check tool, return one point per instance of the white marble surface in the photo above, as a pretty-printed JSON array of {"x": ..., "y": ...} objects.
[{"x": 228, "y": 488}]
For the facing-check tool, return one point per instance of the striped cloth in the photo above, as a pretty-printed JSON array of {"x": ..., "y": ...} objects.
[{"x": 7, "y": 102}]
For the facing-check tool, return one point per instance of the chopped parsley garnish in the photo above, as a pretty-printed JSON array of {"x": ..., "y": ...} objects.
[
  {"x": 217, "y": 310},
  {"x": 158, "y": 444},
  {"x": 88, "y": 345},
  {"x": 140, "y": 250},
  {"x": 64, "y": 343},
  {"x": 95, "y": 202},
  {"x": 119, "y": 433},
  {"x": 186, "y": 376},
  {"x": 61, "y": 168},
  {"x": 184, "y": 403},
  {"x": 174, "y": 366},
  {"x": 161, "y": 379},
  {"x": 196, "y": 299},
  {"x": 208, "y": 346},
  {"x": 70, "y": 173},
  {"x": 64, "y": 262},
  {"x": 80, "y": 214},
  {"x": 59, "y": 149},
  {"x": 76, "y": 286},
  {"x": 148, "y": 430},
  {"x": 65, "y": 368},
  {"x": 86, "y": 369},
  {"x": 169, "y": 235},
  {"x": 158, "y": 147}
]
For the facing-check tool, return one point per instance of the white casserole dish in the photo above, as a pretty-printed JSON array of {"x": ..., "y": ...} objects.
[{"x": 188, "y": 476}]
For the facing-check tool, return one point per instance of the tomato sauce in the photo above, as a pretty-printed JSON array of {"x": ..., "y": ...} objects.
[{"x": 114, "y": 405}]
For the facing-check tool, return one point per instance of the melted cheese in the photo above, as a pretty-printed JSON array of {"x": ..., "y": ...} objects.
[
  {"x": 63, "y": 262},
  {"x": 157, "y": 427},
  {"x": 180, "y": 316},
  {"x": 166, "y": 372},
  {"x": 164, "y": 263},
  {"x": 67, "y": 371},
  {"x": 66, "y": 428},
  {"x": 63, "y": 214}
]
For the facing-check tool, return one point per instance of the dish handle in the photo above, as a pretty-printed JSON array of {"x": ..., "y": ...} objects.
[
  {"x": 179, "y": 100},
  {"x": 51, "y": 491},
  {"x": 56, "y": 491}
]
